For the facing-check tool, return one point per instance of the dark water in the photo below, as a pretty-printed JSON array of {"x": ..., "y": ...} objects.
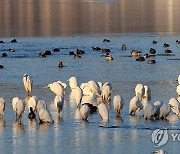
[
  {"x": 80, "y": 24},
  {"x": 69, "y": 17}
]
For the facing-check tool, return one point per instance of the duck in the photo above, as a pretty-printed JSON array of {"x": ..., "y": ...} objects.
[
  {"x": 135, "y": 53},
  {"x": 123, "y": 47},
  {"x": 56, "y": 49},
  {"x": 151, "y": 61},
  {"x": 47, "y": 52},
  {"x": 14, "y": 41},
  {"x": 76, "y": 56},
  {"x": 152, "y": 51},
  {"x": 140, "y": 59},
  {"x": 108, "y": 57},
  {"x": 31, "y": 115},
  {"x": 60, "y": 64},
  {"x": 154, "y": 42},
  {"x": 106, "y": 40},
  {"x": 168, "y": 51},
  {"x": 4, "y": 54}
]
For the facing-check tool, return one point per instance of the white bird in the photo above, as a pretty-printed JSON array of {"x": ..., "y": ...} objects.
[
  {"x": 147, "y": 92},
  {"x": 94, "y": 87},
  {"x": 63, "y": 84},
  {"x": 45, "y": 116},
  {"x": 103, "y": 112},
  {"x": 106, "y": 91},
  {"x": 161, "y": 151},
  {"x": 179, "y": 79},
  {"x": 100, "y": 85},
  {"x": 118, "y": 103},
  {"x": 84, "y": 110},
  {"x": 78, "y": 96},
  {"x": 139, "y": 91},
  {"x": 56, "y": 87},
  {"x": 73, "y": 82},
  {"x": 157, "y": 105},
  {"x": 2, "y": 107},
  {"x": 18, "y": 107},
  {"x": 32, "y": 102},
  {"x": 149, "y": 111},
  {"x": 134, "y": 105},
  {"x": 28, "y": 83},
  {"x": 164, "y": 111},
  {"x": 59, "y": 102},
  {"x": 175, "y": 106},
  {"x": 40, "y": 105},
  {"x": 178, "y": 92}
]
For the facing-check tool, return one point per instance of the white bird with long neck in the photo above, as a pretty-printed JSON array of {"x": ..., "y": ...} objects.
[
  {"x": 175, "y": 106},
  {"x": 40, "y": 105},
  {"x": 18, "y": 107},
  {"x": 118, "y": 103},
  {"x": 165, "y": 109},
  {"x": 32, "y": 102},
  {"x": 73, "y": 83},
  {"x": 139, "y": 91},
  {"x": 103, "y": 112},
  {"x": 45, "y": 116},
  {"x": 59, "y": 103},
  {"x": 94, "y": 87},
  {"x": 84, "y": 110},
  {"x": 149, "y": 111},
  {"x": 147, "y": 93},
  {"x": 56, "y": 88},
  {"x": 78, "y": 96},
  {"x": 28, "y": 83},
  {"x": 134, "y": 105},
  {"x": 106, "y": 91},
  {"x": 2, "y": 107}
]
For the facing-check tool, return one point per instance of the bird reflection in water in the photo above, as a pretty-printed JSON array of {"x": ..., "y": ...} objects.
[
  {"x": 134, "y": 119},
  {"x": 118, "y": 119},
  {"x": 18, "y": 128},
  {"x": 2, "y": 125}
]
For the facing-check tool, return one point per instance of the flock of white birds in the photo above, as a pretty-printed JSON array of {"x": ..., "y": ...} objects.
[{"x": 89, "y": 97}]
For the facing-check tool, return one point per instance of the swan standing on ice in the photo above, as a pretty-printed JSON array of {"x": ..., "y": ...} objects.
[
  {"x": 84, "y": 110},
  {"x": 134, "y": 105},
  {"x": 103, "y": 112},
  {"x": 2, "y": 107},
  {"x": 45, "y": 116},
  {"x": 149, "y": 111},
  {"x": 27, "y": 84},
  {"x": 164, "y": 111},
  {"x": 106, "y": 91},
  {"x": 118, "y": 103},
  {"x": 157, "y": 105},
  {"x": 175, "y": 106},
  {"x": 18, "y": 107}
]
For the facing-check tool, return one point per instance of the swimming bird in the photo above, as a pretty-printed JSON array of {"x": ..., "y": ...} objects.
[
  {"x": 103, "y": 112},
  {"x": 2, "y": 107},
  {"x": 56, "y": 87},
  {"x": 45, "y": 116},
  {"x": 73, "y": 82},
  {"x": 18, "y": 107},
  {"x": 31, "y": 114},
  {"x": 135, "y": 53},
  {"x": 118, "y": 103},
  {"x": 32, "y": 102},
  {"x": 84, "y": 110},
  {"x": 28, "y": 83},
  {"x": 108, "y": 57},
  {"x": 134, "y": 105},
  {"x": 59, "y": 103}
]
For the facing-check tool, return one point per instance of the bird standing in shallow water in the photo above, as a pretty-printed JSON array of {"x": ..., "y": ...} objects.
[
  {"x": 2, "y": 107},
  {"x": 118, "y": 103},
  {"x": 31, "y": 115},
  {"x": 27, "y": 84}
]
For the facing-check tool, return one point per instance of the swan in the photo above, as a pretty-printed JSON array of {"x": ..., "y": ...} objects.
[
  {"x": 59, "y": 103},
  {"x": 134, "y": 105},
  {"x": 32, "y": 102},
  {"x": 18, "y": 107},
  {"x": 118, "y": 103},
  {"x": 94, "y": 87},
  {"x": 2, "y": 107},
  {"x": 157, "y": 105},
  {"x": 84, "y": 110},
  {"x": 28, "y": 82},
  {"x": 147, "y": 92}
]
